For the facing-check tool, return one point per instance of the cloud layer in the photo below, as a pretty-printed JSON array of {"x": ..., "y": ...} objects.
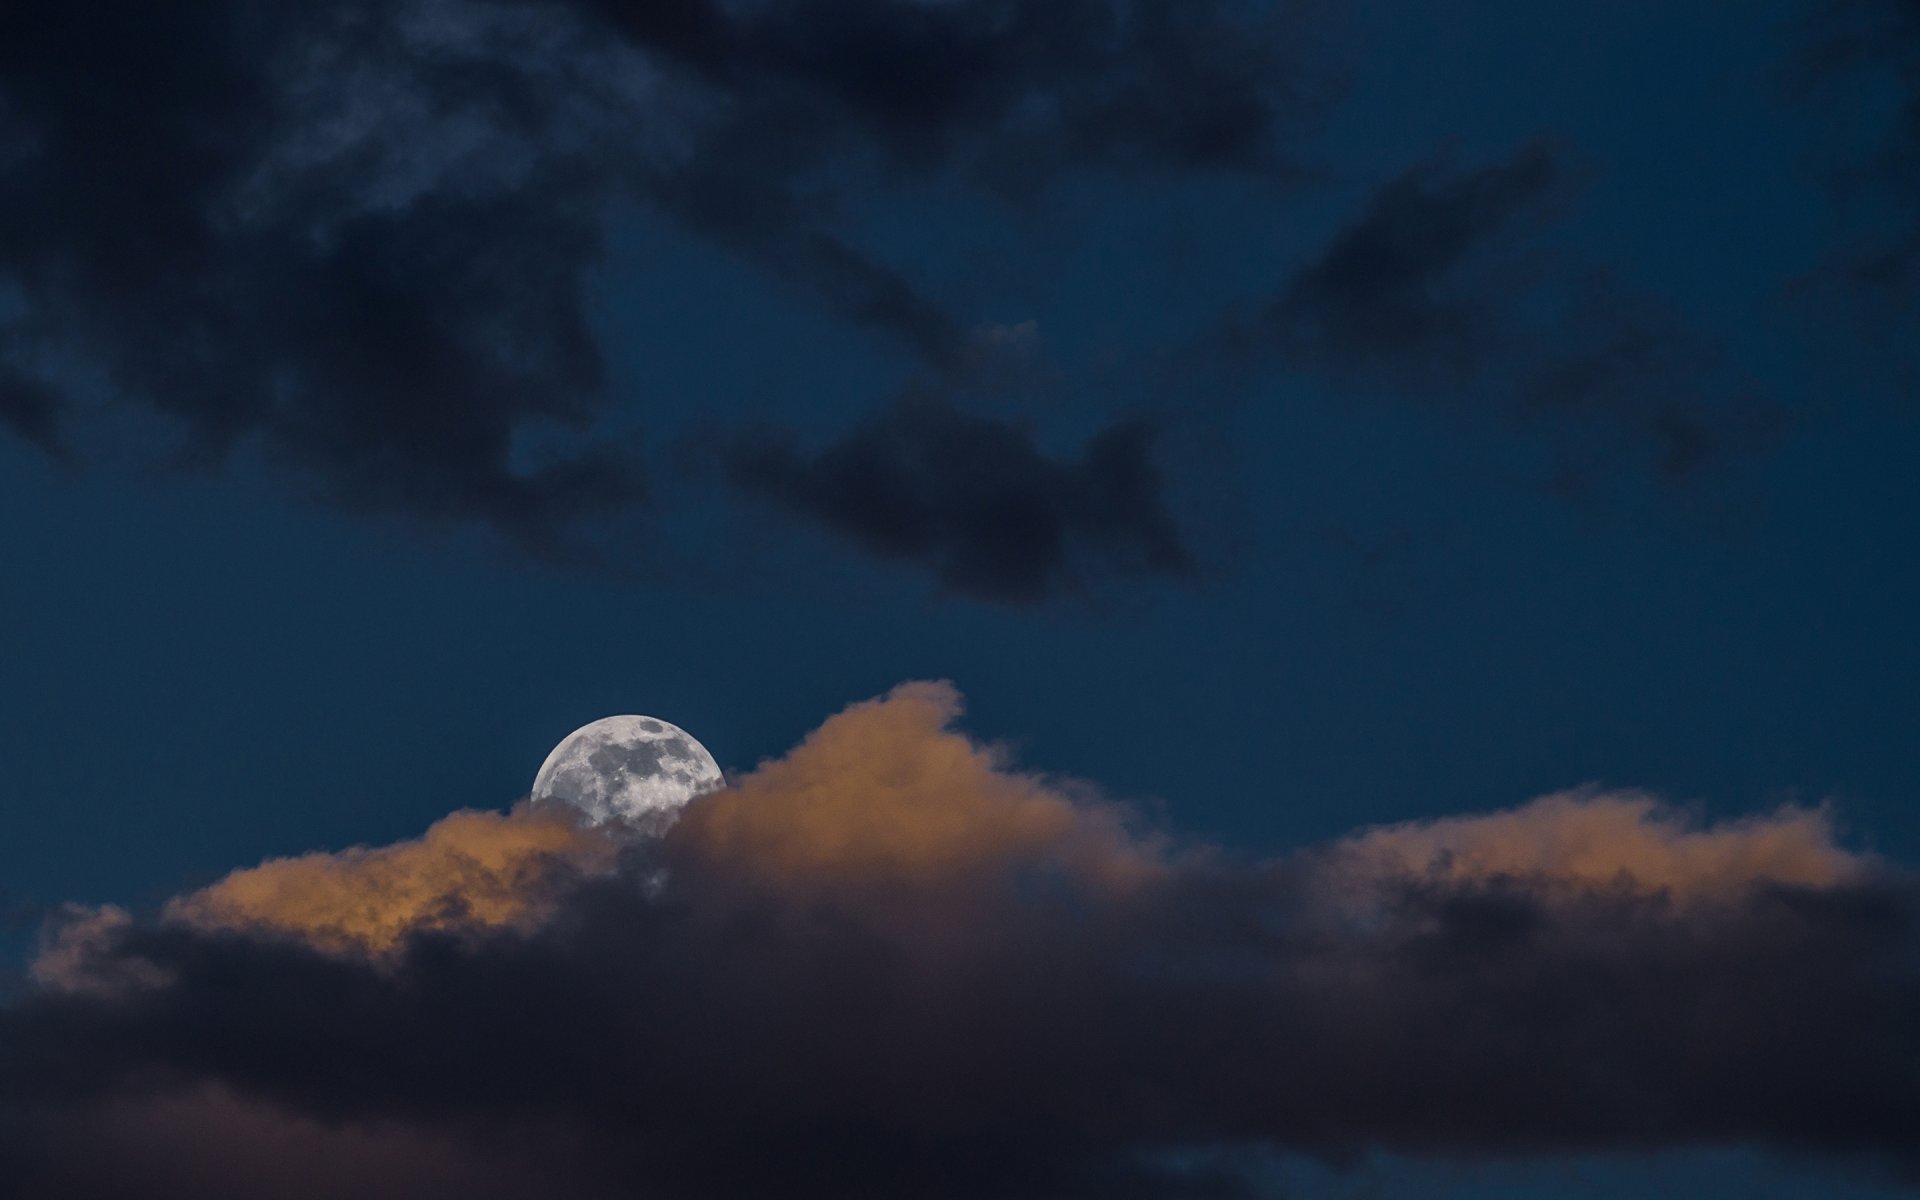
[
  {"x": 355, "y": 238},
  {"x": 890, "y": 963}
]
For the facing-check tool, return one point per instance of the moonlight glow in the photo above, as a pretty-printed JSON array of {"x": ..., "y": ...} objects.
[{"x": 636, "y": 770}]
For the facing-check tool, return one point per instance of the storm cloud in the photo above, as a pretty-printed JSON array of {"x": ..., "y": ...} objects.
[{"x": 892, "y": 963}]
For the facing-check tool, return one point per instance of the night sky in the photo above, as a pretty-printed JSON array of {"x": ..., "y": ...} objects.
[{"x": 1297, "y": 600}]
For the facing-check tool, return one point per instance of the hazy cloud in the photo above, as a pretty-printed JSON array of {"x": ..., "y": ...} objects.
[
  {"x": 1388, "y": 290},
  {"x": 30, "y": 408},
  {"x": 1872, "y": 48},
  {"x": 1442, "y": 289}
]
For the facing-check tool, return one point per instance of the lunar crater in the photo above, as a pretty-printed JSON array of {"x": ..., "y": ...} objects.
[{"x": 638, "y": 771}]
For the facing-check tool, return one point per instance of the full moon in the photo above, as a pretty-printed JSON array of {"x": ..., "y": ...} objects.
[{"x": 635, "y": 770}]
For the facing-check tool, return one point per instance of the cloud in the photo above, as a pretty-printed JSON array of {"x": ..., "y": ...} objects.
[
  {"x": 1625, "y": 839},
  {"x": 320, "y": 231},
  {"x": 211, "y": 1143},
  {"x": 77, "y": 953},
  {"x": 1004, "y": 91},
  {"x": 470, "y": 870},
  {"x": 355, "y": 238},
  {"x": 887, "y": 792},
  {"x": 30, "y": 409},
  {"x": 1866, "y": 53},
  {"x": 1377, "y": 293},
  {"x": 891, "y": 963},
  {"x": 1441, "y": 288},
  {"x": 975, "y": 501}
]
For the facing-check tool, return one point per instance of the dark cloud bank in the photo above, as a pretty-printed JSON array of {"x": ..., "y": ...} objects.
[
  {"x": 889, "y": 965},
  {"x": 355, "y": 236}
]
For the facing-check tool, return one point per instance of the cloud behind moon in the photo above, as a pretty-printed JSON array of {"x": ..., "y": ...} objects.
[{"x": 893, "y": 963}]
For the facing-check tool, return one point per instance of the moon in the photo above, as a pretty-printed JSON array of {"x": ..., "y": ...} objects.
[{"x": 638, "y": 771}]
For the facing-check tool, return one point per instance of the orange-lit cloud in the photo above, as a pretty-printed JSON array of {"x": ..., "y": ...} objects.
[
  {"x": 1629, "y": 840},
  {"x": 888, "y": 791},
  {"x": 469, "y": 870}
]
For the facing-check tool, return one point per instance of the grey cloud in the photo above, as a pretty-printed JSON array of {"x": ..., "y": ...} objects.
[
  {"x": 356, "y": 235},
  {"x": 975, "y": 501},
  {"x": 1443, "y": 290}
]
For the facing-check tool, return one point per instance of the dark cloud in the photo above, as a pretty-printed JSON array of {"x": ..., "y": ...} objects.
[
  {"x": 355, "y": 236},
  {"x": 1875, "y": 43},
  {"x": 1442, "y": 288},
  {"x": 1009, "y": 92},
  {"x": 888, "y": 965},
  {"x": 200, "y": 208},
  {"x": 1386, "y": 291},
  {"x": 976, "y": 501},
  {"x": 30, "y": 408}
]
